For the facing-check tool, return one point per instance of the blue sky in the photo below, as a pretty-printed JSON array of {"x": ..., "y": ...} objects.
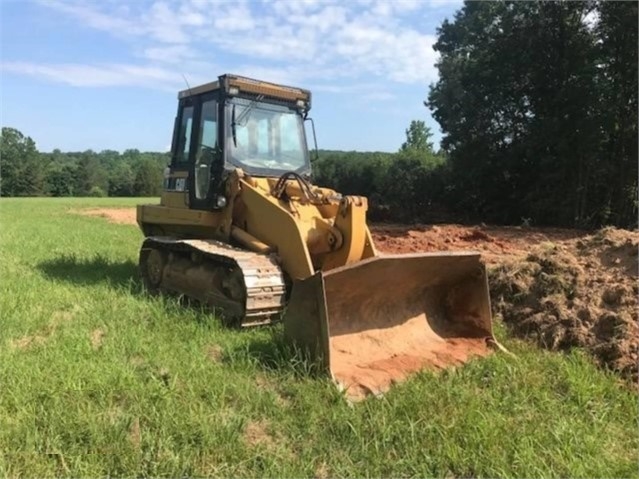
[{"x": 104, "y": 74}]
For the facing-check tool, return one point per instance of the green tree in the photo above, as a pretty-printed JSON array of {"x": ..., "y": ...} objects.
[
  {"x": 401, "y": 188},
  {"x": 520, "y": 98},
  {"x": 60, "y": 179},
  {"x": 21, "y": 169},
  {"x": 148, "y": 179},
  {"x": 615, "y": 198},
  {"x": 408, "y": 184},
  {"x": 418, "y": 137},
  {"x": 121, "y": 179}
]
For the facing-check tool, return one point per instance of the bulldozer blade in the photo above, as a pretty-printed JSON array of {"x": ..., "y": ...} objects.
[{"x": 373, "y": 323}]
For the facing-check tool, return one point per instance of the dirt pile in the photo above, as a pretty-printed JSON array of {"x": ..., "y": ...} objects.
[
  {"x": 580, "y": 293},
  {"x": 493, "y": 242}
]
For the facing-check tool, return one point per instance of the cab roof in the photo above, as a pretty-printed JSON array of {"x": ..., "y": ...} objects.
[{"x": 251, "y": 86}]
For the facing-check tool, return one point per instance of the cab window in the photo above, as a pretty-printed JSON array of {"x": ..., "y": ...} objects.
[
  {"x": 184, "y": 135},
  {"x": 205, "y": 149}
]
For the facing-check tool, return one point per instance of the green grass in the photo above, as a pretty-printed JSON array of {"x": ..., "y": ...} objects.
[{"x": 169, "y": 392}]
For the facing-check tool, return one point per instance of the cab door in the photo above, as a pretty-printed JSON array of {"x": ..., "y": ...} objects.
[{"x": 205, "y": 154}]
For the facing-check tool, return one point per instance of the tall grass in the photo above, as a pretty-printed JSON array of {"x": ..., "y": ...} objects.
[{"x": 96, "y": 378}]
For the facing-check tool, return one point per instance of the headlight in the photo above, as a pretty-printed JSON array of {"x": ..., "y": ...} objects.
[{"x": 220, "y": 201}]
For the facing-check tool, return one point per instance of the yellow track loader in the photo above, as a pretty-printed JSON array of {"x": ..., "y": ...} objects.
[{"x": 241, "y": 228}]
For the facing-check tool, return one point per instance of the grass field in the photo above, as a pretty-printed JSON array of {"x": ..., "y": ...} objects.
[{"x": 98, "y": 379}]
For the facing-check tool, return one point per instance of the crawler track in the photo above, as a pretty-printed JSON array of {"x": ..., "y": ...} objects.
[{"x": 247, "y": 288}]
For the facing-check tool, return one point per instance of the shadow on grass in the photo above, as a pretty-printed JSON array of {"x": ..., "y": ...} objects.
[
  {"x": 89, "y": 271},
  {"x": 275, "y": 353}
]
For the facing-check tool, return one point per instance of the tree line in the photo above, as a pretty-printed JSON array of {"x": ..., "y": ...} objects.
[
  {"x": 404, "y": 186},
  {"x": 24, "y": 171},
  {"x": 538, "y": 105}
]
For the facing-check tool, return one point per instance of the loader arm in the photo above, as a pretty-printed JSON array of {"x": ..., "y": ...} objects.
[
  {"x": 272, "y": 224},
  {"x": 297, "y": 230}
]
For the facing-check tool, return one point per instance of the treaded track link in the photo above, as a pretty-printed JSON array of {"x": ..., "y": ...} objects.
[{"x": 247, "y": 288}]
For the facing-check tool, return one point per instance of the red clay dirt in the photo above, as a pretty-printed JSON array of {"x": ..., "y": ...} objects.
[
  {"x": 493, "y": 242},
  {"x": 559, "y": 287},
  {"x": 124, "y": 216},
  {"x": 361, "y": 377}
]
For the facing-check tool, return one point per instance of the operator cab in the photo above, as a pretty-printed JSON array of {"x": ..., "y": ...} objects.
[{"x": 237, "y": 122}]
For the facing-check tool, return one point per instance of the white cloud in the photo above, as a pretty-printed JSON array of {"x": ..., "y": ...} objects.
[
  {"x": 114, "y": 24},
  {"x": 286, "y": 7},
  {"x": 297, "y": 41},
  {"x": 97, "y": 75},
  {"x": 164, "y": 24},
  {"x": 233, "y": 17}
]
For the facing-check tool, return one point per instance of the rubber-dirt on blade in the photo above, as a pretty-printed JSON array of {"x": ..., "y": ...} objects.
[{"x": 375, "y": 322}]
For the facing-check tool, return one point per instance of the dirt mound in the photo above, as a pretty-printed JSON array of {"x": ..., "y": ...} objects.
[
  {"x": 493, "y": 242},
  {"x": 124, "y": 216},
  {"x": 580, "y": 293}
]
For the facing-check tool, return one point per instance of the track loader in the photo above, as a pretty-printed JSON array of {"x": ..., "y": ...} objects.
[{"x": 241, "y": 228}]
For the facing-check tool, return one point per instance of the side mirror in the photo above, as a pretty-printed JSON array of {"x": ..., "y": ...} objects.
[{"x": 309, "y": 119}]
